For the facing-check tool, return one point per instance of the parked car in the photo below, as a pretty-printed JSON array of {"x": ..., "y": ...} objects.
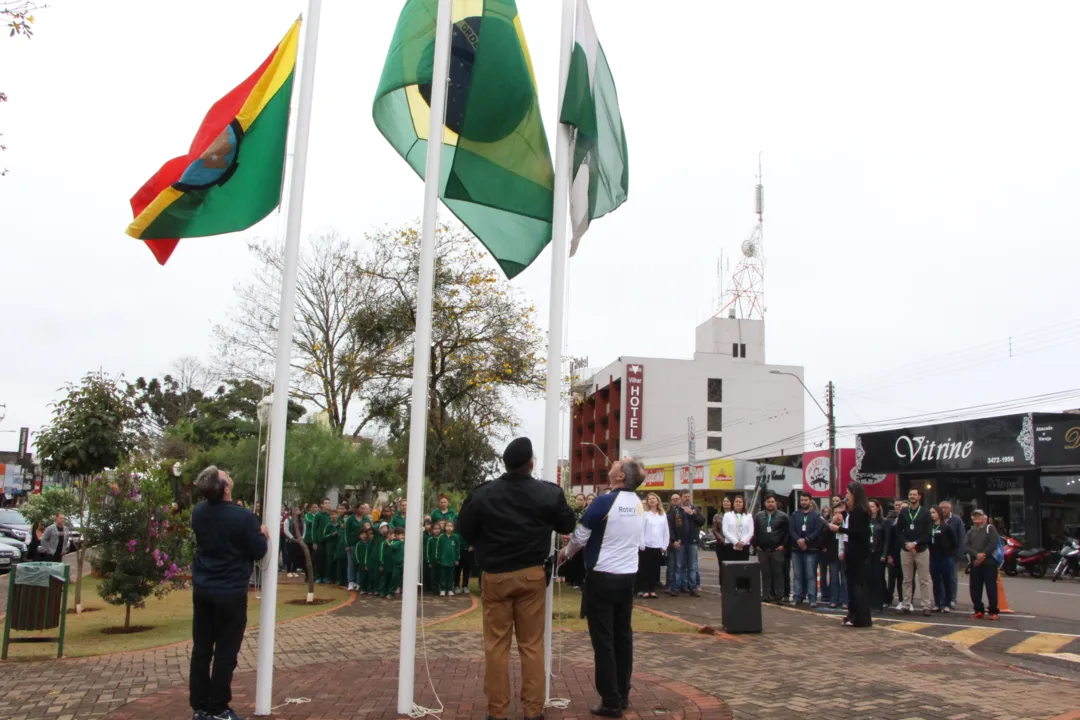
[
  {"x": 18, "y": 545},
  {"x": 14, "y": 524},
  {"x": 9, "y": 556}
]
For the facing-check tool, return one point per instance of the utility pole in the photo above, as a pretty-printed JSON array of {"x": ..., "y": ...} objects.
[
  {"x": 830, "y": 393},
  {"x": 691, "y": 458}
]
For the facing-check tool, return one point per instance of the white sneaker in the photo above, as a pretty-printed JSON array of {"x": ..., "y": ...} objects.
[
  {"x": 442, "y": 593},
  {"x": 899, "y": 607},
  {"x": 450, "y": 593}
]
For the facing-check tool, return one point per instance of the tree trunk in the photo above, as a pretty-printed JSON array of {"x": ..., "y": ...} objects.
[
  {"x": 298, "y": 532},
  {"x": 80, "y": 554},
  {"x": 127, "y": 616}
]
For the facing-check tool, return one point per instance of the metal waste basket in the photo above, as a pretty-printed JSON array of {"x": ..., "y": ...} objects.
[
  {"x": 741, "y": 600},
  {"x": 37, "y": 600}
]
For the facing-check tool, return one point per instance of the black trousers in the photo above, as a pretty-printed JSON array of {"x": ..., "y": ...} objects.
[
  {"x": 463, "y": 571},
  {"x": 648, "y": 575},
  {"x": 984, "y": 576},
  {"x": 875, "y": 581},
  {"x": 217, "y": 629},
  {"x": 858, "y": 597},
  {"x": 609, "y": 600},
  {"x": 896, "y": 581},
  {"x": 772, "y": 574}
]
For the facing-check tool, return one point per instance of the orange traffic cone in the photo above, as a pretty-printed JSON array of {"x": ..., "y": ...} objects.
[{"x": 1003, "y": 602}]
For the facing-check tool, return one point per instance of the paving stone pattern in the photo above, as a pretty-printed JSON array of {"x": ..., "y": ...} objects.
[{"x": 345, "y": 662}]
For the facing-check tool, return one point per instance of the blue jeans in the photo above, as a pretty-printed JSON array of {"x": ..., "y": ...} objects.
[
  {"x": 352, "y": 567},
  {"x": 686, "y": 569},
  {"x": 805, "y": 566},
  {"x": 941, "y": 572},
  {"x": 833, "y": 584}
]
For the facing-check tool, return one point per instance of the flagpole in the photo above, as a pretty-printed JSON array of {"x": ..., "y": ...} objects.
[
  {"x": 264, "y": 679},
  {"x": 552, "y": 408},
  {"x": 421, "y": 360}
]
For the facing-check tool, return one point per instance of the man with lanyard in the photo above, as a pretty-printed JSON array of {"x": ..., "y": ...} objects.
[
  {"x": 914, "y": 525},
  {"x": 612, "y": 531},
  {"x": 806, "y": 526},
  {"x": 770, "y": 536}
]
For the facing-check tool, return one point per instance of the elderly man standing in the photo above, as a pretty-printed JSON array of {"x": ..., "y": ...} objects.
[
  {"x": 228, "y": 541},
  {"x": 509, "y": 522},
  {"x": 612, "y": 531},
  {"x": 55, "y": 541}
]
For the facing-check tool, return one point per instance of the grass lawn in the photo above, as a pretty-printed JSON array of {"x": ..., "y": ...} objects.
[
  {"x": 169, "y": 618},
  {"x": 565, "y": 616}
]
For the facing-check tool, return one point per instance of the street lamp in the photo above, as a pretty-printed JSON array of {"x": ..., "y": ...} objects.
[
  {"x": 177, "y": 470},
  {"x": 830, "y": 418}
]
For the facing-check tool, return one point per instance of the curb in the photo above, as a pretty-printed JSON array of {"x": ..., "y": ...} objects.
[{"x": 473, "y": 604}]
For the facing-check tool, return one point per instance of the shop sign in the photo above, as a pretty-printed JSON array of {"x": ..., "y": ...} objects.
[
  {"x": 721, "y": 474},
  {"x": 659, "y": 477},
  {"x": 635, "y": 400},
  {"x": 682, "y": 475},
  {"x": 1057, "y": 440},
  {"x": 984, "y": 444},
  {"x": 781, "y": 479},
  {"x": 816, "y": 475}
]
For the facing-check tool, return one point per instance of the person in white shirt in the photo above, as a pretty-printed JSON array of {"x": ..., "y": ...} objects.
[
  {"x": 657, "y": 539},
  {"x": 612, "y": 531},
  {"x": 739, "y": 530}
]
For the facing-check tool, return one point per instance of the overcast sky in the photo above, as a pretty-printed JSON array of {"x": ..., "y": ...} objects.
[{"x": 920, "y": 167}]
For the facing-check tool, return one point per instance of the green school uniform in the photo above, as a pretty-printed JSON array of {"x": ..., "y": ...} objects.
[
  {"x": 386, "y": 567},
  {"x": 322, "y": 560},
  {"x": 331, "y": 540},
  {"x": 372, "y": 562},
  {"x": 360, "y": 550},
  {"x": 448, "y": 516},
  {"x": 398, "y": 521},
  {"x": 431, "y": 571},
  {"x": 448, "y": 555},
  {"x": 309, "y": 526},
  {"x": 397, "y": 551},
  {"x": 352, "y": 530}
]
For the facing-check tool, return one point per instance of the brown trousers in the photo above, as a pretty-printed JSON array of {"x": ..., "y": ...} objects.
[{"x": 514, "y": 603}]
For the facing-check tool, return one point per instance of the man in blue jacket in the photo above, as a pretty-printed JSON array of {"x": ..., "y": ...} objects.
[
  {"x": 229, "y": 541},
  {"x": 805, "y": 530}
]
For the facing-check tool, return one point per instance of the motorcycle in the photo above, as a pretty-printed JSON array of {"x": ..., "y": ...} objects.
[
  {"x": 706, "y": 540},
  {"x": 1070, "y": 559},
  {"x": 1033, "y": 560}
]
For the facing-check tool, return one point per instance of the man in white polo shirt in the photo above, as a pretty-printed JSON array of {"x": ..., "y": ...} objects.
[{"x": 612, "y": 531}]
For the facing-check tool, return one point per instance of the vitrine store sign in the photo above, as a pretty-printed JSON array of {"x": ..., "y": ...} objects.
[{"x": 983, "y": 444}]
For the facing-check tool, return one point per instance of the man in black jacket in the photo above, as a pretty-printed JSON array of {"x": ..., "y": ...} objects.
[
  {"x": 770, "y": 536},
  {"x": 913, "y": 526},
  {"x": 684, "y": 527},
  {"x": 806, "y": 526},
  {"x": 509, "y": 522},
  {"x": 229, "y": 540}
]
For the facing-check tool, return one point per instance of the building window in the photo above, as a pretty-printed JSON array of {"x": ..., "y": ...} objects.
[
  {"x": 714, "y": 443},
  {"x": 716, "y": 419},
  {"x": 734, "y": 349},
  {"x": 742, "y": 350},
  {"x": 716, "y": 390}
]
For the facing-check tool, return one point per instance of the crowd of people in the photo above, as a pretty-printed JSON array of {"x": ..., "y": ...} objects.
[{"x": 364, "y": 550}]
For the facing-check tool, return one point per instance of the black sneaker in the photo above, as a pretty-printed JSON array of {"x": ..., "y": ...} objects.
[
  {"x": 201, "y": 715},
  {"x": 227, "y": 714}
]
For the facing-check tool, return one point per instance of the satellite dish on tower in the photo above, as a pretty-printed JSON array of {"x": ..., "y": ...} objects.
[{"x": 750, "y": 247}]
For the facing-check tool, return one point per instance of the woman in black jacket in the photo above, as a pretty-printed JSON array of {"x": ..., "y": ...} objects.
[
  {"x": 942, "y": 557},
  {"x": 875, "y": 566},
  {"x": 857, "y": 537}
]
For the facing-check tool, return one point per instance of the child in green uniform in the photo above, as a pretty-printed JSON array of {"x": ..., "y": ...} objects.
[
  {"x": 318, "y": 527},
  {"x": 449, "y": 554},
  {"x": 341, "y": 557},
  {"x": 360, "y": 555},
  {"x": 455, "y": 586},
  {"x": 375, "y": 540},
  {"x": 330, "y": 542},
  {"x": 443, "y": 512},
  {"x": 386, "y": 562},
  {"x": 353, "y": 525},
  {"x": 431, "y": 560},
  {"x": 398, "y": 561},
  {"x": 426, "y": 577}
]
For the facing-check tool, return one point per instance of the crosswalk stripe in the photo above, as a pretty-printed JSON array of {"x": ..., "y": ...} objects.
[
  {"x": 1041, "y": 643},
  {"x": 971, "y": 636},
  {"x": 911, "y": 627}
]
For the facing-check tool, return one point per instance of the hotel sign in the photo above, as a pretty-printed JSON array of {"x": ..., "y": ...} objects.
[{"x": 635, "y": 400}]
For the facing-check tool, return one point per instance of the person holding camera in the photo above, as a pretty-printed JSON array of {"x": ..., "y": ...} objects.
[{"x": 229, "y": 540}]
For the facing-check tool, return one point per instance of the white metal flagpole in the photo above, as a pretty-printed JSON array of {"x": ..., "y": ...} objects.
[
  {"x": 559, "y": 216},
  {"x": 422, "y": 359},
  {"x": 264, "y": 679}
]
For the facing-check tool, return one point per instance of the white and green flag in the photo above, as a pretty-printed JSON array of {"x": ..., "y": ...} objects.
[{"x": 590, "y": 105}]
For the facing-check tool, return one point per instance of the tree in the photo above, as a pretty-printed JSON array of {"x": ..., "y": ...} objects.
[
  {"x": 94, "y": 427},
  {"x": 50, "y": 503},
  {"x": 141, "y": 539},
  {"x": 228, "y": 414},
  {"x": 18, "y": 17},
  {"x": 486, "y": 347},
  {"x": 330, "y": 357}
]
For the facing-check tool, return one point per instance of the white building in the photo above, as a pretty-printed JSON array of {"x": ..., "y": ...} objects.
[{"x": 742, "y": 408}]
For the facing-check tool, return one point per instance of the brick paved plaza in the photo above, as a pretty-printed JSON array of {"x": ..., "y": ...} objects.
[{"x": 344, "y": 661}]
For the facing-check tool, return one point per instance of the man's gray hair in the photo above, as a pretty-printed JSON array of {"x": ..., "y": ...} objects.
[
  {"x": 210, "y": 483},
  {"x": 634, "y": 472}
]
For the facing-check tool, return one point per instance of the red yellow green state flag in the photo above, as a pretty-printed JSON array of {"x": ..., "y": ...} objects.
[{"x": 231, "y": 176}]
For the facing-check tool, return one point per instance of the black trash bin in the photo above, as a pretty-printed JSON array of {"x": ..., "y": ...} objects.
[{"x": 741, "y": 600}]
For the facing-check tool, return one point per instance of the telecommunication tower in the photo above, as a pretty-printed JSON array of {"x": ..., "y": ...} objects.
[{"x": 744, "y": 297}]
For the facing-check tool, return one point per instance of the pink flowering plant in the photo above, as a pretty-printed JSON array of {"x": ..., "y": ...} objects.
[{"x": 142, "y": 539}]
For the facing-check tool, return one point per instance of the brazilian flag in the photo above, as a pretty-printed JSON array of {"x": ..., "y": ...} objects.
[{"x": 497, "y": 176}]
